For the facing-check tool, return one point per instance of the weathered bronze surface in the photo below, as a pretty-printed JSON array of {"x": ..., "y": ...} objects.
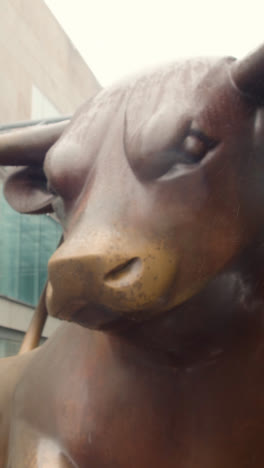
[{"x": 158, "y": 184}]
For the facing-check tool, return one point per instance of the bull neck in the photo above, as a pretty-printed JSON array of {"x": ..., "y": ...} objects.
[{"x": 225, "y": 316}]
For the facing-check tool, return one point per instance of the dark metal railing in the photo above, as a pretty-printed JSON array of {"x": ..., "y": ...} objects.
[{"x": 29, "y": 123}]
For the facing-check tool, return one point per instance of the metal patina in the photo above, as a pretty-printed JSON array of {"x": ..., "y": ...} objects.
[{"x": 158, "y": 184}]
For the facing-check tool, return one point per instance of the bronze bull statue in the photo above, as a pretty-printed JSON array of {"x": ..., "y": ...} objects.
[{"x": 158, "y": 184}]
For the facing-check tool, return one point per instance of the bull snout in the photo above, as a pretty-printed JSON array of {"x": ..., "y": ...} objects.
[{"x": 96, "y": 285}]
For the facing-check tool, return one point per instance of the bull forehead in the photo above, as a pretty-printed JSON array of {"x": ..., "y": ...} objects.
[
  {"x": 168, "y": 88},
  {"x": 134, "y": 117}
]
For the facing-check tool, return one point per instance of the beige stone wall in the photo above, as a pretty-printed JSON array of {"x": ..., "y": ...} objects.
[
  {"x": 18, "y": 316},
  {"x": 34, "y": 50},
  {"x": 36, "y": 53}
]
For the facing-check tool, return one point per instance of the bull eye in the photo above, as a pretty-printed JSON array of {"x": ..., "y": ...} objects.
[
  {"x": 195, "y": 146},
  {"x": 189, "y": 152}
]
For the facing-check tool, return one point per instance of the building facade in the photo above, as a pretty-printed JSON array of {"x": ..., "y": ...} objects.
[{"x": 42, "y": 76}]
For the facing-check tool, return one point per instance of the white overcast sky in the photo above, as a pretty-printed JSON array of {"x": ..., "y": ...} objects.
[{"x": 117, "y": 37}]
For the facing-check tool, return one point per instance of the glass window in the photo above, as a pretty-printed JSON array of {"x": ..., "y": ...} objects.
[{"x": 26, "y": 244}]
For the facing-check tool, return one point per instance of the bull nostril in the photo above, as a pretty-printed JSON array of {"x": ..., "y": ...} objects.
[{"x": 125, "y": 271}]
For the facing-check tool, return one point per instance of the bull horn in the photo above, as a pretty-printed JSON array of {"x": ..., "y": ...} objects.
[
  {"x": 248, "y": 74},
  {"x": 28, "y": 146}
]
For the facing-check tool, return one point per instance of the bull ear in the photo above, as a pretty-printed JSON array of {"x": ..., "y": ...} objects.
[
  {"x": 248, "y": 75},
  {"x": 25, "y": 189}
]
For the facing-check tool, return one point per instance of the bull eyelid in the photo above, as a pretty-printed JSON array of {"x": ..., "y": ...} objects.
[
  {"x": 188, "y": 158},
  {"x": 202, "y": 141},
  {"x": 195, "y": 145},
  {"x": 209, "y": 142}
]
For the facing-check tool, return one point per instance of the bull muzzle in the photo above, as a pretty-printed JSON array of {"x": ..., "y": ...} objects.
[{"x": 108, "y": 283}]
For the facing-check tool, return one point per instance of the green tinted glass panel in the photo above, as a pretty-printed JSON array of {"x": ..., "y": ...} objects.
[{"x": 26, "y": 244}]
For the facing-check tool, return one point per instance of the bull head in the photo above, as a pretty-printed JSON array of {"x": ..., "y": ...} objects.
[{"x": 158, "y": 184}]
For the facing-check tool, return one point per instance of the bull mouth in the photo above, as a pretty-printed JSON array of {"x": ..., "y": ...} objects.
[
  {"x": 88, "y": 315},
  {"x": 99, "y": 318}
]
